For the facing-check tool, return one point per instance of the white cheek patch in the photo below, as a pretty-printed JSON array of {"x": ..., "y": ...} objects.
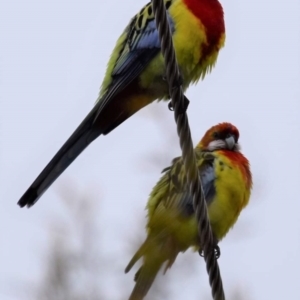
[{"x": 217, "y": 144}]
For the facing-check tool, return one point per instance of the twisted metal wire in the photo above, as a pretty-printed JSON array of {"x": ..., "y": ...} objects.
[{"x": 188, "y": 155}]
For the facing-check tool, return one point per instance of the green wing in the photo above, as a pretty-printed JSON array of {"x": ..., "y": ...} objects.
[{"x": 172, "y": 188}]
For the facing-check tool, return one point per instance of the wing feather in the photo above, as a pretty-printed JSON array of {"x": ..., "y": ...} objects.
[
  {"x": 173, "y": 190},
  {"x": 140, "y": 46}
]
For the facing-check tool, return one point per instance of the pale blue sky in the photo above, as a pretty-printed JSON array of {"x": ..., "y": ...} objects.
[{"x": 53, "y": 58}]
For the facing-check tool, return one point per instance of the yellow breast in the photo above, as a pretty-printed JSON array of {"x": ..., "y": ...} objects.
[{"x": 232, "y": 195}]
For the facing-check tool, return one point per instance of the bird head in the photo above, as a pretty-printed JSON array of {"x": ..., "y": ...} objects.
[{"x": 222, "y": 136}]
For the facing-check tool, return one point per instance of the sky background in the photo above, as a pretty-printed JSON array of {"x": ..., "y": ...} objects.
[{"x": 52, "y": 60}]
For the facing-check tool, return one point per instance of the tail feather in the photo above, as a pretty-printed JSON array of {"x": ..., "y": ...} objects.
[
  {"x": 116, "y": 106},
  {"x": 78, "y": 141},
  {"x": 137, "y": 256},
  {"x": 155, "y": 251},
  {"x": 144, "y": 279},
  {"x": 170, "y": 262},
  {"x": 146, "y": 274}
]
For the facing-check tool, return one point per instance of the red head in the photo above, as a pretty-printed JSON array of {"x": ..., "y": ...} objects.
[{"x": 222, "y": 136}]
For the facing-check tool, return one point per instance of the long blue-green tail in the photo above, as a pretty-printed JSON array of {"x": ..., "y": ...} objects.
[
  {"x": 101, "y": 120},
  {"x": 78, "y": 141}
]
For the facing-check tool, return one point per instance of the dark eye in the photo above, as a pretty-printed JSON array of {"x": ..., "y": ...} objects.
[{"x": 216, "y": 135}]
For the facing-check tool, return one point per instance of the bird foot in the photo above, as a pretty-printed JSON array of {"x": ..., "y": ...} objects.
[
  {"x": 216, "y": 250},
  {"x": 183, "y": 107}
]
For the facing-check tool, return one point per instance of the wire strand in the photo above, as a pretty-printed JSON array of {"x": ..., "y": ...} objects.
[{"x": 174, "y": 79}]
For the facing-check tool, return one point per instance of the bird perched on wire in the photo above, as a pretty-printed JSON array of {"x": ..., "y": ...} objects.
[
  {"x": 172, "y": 226},
  {"x": 135, "y": 75}
]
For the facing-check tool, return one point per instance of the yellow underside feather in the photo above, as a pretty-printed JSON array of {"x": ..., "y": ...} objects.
[{"x": 232, "y": 195}]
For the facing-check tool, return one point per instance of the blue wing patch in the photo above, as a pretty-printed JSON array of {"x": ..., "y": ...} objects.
[
  {"x": 207, "y": 176},
  {"x": 139, "y": 45}
]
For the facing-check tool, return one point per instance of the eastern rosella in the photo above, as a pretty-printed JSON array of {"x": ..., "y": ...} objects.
[
  {"x": 172, "y": 227},
  {"x": 135, "y": 75}
]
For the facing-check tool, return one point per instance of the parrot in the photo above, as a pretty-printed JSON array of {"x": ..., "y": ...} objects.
[
  {"x": 136, "y": 75},
  {"x": 172, "y": 226}
]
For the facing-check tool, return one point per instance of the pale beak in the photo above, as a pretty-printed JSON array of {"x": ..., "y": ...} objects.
[{"x": 230, "y": 142}]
